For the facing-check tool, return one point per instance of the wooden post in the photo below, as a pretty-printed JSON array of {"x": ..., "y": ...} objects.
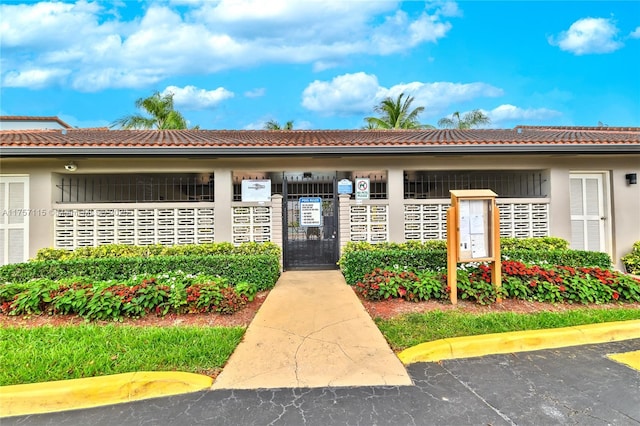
[
  {"x": 452, "y": 254},
  {"x": 473, "y": 235},
  {"x": 496, "y": 265}
]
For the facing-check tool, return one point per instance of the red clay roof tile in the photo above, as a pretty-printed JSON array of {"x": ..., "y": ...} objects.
[{"x": 170, "y": 139}]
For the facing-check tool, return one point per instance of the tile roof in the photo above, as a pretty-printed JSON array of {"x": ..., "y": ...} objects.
[
  {"x": 34, "y": 118},
  {"x": 272, "y": 142}
]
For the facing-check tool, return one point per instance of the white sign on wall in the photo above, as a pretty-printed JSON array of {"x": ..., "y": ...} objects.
[
  {"x": 256, "y": 190},
  {"x": 363, "y": 186},
  {"x": 310, "y": 211}
]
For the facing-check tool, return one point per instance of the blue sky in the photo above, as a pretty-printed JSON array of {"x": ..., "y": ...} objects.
[{"x": 235, "y": 64}]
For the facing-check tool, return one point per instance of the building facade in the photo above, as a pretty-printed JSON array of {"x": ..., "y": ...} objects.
[
  {"x": 77, "y": 188},
  {"x": 20, "y": 122}
]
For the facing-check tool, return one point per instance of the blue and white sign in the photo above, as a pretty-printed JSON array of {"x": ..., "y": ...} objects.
[
  {"x": 345, "y": 186},
  {"x": 310, "y": 211}
]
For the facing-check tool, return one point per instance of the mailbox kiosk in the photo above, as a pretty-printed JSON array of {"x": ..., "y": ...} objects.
[{"x": 473, "y": 234}]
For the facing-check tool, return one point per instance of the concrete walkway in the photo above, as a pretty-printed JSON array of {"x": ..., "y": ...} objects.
[{"x": 312, "y": 331}]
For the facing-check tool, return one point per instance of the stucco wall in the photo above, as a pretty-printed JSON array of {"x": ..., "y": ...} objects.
[
  {"x": 625, "y": 207},
  {"x": 29, "y": 125},
  {"x": 625, "y": 211}
]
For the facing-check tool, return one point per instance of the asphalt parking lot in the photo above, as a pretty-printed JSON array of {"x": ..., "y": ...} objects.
[{"x": 569, "y": 386}]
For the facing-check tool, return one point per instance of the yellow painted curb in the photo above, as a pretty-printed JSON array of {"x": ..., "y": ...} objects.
[
  {"x": 630, "y": 359},
  {"x": 520, "y": 341},
  {"x": 63, "y": 395}
]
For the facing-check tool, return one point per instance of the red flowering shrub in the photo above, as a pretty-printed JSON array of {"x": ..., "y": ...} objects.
[
  {"x": 382, "y": 284},
  {"x": 566, "y": 283},
  {"x": 176, "y": 292},
  {"x": 553, "y": 284},
  {"x": 231, "y": 301}
]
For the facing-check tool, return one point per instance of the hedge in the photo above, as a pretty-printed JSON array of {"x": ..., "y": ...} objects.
[
  {"x": 261, "y": 270},
  {"x": 506, "y": 243},
  {"x": 355, "y": 264},
  {"x": 122, "y": 250}
]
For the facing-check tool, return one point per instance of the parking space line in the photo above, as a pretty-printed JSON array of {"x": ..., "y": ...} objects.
[{"x": 630, "y": 359}]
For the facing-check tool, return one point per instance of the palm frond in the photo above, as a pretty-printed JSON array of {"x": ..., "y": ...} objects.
[{"x": 162, "y": 114}]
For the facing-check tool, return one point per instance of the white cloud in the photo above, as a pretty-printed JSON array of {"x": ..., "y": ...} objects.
[
  {"x": 399, "y": 32},
  {"x": 319, "y": 66},
  {"x": 509, "y": 112},
  {"x": 255, "y": 93},
  {"x": 588, "y": 35},
  {"x": 635, "y": 33},
  {"x": 35, "y": 78},
  {"x": 48, "y": 24},
  {"x": 360, "y": 92},
  {"x": 446, "y": 8},
  {"x": 190, "y": 97},
  {"x": 345, "y": 94},
  {"x": 182, "y": 37},
  {"x": 437, "y": 97},
  {"x": 116, "y": 77}
]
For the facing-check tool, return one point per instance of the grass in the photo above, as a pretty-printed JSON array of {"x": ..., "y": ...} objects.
[
  {"x": 412, "y": 329},
  {"x": 40, "y": 354}
]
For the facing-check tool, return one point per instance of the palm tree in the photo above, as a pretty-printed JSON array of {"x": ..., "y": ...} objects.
[
  {"x": 160, "y": 108},
  {"x": 274, "y": 125},
  {"x": 396, "y": 114},
  {"x": 471, "y": 119}
]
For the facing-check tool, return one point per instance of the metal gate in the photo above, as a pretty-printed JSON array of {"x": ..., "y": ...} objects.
[{"x": 307, "y": 246}]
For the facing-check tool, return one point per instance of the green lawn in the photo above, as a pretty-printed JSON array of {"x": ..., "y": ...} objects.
[
  {"x": 412, "y": 329},
  {"x": 40, "y": 354},
  {"x": 32, "y": 355}
]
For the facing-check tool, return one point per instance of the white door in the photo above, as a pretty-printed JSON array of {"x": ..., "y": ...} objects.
[
  {"x": 587, "y": 212},
  {"x": 14, "y": 219}
]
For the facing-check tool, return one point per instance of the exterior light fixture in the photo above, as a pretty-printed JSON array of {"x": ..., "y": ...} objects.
[
  {"x": 71, "y": 167},
  {"x": 632, "y": 178}
]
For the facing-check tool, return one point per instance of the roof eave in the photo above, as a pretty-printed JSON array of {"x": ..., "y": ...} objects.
[{"x": 324, "y": 150}]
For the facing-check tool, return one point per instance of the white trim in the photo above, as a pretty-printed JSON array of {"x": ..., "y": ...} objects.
[
  {"x": 6, "y": 179},
  {"x": 604, "y": 195}
]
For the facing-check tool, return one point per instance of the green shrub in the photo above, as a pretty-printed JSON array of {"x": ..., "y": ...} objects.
[
  {"x": 356, "y": 264},
  {"x": 541, "y": 243},
  {"x": 261, "y": 270},
  {"x": 632, "y": 260},
  {"x": 358, "y": 259},
  {"x": 122, "y": 250},
  {"x": 560, "y": 257}
]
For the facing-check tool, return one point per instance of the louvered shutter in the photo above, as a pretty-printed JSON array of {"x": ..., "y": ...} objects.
[
  {"x": 587, "y": 212},
  {"x": 14, "y": 222}
]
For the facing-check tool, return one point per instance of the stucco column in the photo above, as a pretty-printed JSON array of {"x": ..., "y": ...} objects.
[
  {"x": 560, "y": 205},
  {"x": 42, "y": 189},
  {"x": 395, "y": 194},
  {"x": 276, "y": 220},
  {"x": 224, "y": 197},
  {"x": 344, "y": 203}
]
